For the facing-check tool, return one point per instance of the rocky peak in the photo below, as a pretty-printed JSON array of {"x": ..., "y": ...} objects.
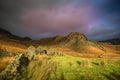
[
  {"x": 75, "y": 33},
  {"x": 57, "y": 38},
  {"x": 75, "y": 40},
  {"x": 78, "y": 35}
]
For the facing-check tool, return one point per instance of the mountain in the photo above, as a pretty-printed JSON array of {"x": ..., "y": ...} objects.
[
  {"x": 12, "y": 43},
  {"x": 75, "y": 44},
  {"x": 7, "y": 35},
  {"x": 73, "y": 39}
]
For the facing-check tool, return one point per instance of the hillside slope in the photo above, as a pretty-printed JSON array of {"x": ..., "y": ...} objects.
[{"x": 75, "y": 44}]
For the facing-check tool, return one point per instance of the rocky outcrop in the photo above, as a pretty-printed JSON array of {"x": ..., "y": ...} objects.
[
  {"x": 55, "y": 54},
  {"x": 40, "y": 50},
  {"x": 16, "y": 68},
  {"x": 21, "y": 61},
  {"x": 76, "y": 40},
  {"x": 31, "y": 51},
  {"x": 76, "y": 35}
]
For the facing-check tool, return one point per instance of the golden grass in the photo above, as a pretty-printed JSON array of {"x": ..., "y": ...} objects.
[
  {"x": 89, "y": 51},
  {"x": 12, "y": 49},
  {"x": 69, "y": 68},
  {"x": 40, "y": 68},
  {"x": 12, "y": 46},
  {"x": 86, "y": 62},
  {"x": 4, "y": 61},
  {"x": 64, "y": 50}
]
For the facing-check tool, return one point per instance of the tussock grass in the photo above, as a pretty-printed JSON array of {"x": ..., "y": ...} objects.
[
  {"x": 40, "y": 68},
  {"x": 11, "y": 48},
  {"x": 86, "y": 63},
  {"x": 72, "y": 68},
  {"x": 4, "y": 62}
]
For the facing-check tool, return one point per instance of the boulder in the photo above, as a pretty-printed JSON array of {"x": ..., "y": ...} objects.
[
  {"x": 41, "y": 50},
  {"x": 31, "y": 51}
]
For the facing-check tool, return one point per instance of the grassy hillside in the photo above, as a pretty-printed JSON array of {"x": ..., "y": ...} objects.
[
  {"x": 71, "y": 68},
  {"x": 74, "y": 44},
  {"x": 71, "y": 57}
]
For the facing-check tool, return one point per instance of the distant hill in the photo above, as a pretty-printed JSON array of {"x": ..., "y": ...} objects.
[
  {"x": 12, "y": 43},
  {"x": 113, "y": 41},
  {"x": 7, "y": 35}
]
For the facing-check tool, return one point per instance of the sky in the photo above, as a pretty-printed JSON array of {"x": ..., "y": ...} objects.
[{"x": 97, "y": 19}]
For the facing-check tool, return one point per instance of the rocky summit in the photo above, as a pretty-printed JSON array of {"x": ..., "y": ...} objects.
[{"x": 74, "y": 39}]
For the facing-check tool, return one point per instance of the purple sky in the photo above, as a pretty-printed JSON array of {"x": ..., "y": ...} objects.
[{"x": 98, "y": 19}]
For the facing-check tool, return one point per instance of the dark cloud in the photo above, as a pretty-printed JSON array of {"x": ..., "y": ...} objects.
[
  {"x": 105, "y": 33},
  {"x": 113, "y": 6},
  {"x": 106, "y": 28},
  {"x": 98, "y": 19}
]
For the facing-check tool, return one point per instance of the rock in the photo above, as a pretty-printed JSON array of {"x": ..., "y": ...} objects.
[
  {"x": 31, "y": 51},
  {"x": 55, "y": 54},
  {"x": 15, "y": 68},
  {"x": 73, "y": 35},
  {"x": 75, "y": 40},
  {"x": 57, "y": 38},
  {"x": 41, "y": 50}
]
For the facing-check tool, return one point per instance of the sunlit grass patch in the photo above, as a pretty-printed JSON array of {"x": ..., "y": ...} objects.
[
  {"x": 4, "y": 62},
  {"x": 72, "y": 68}
]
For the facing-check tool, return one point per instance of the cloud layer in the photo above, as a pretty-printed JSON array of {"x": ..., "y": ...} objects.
[
  {"x": 59, "y": 19},
  {"x": 98, "y": 19}
]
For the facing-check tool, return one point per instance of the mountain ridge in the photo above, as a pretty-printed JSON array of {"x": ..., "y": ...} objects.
[
  {"x": 6, "y": 34},
  {"x": 74, "y": 43}
]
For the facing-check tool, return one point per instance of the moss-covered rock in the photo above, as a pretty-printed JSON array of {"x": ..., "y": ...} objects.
[{"x": 18, "y": 65}]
